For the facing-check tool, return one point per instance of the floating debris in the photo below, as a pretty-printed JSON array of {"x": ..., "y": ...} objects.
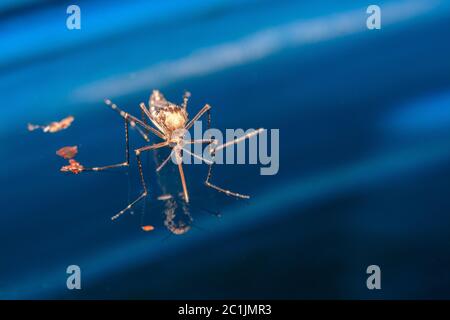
[
  {"x": 74, "y": 167},
  {"x": 32, "y": 127},
  {"x": 164, "y": 197},
  {"x": 68, "y": 152},
  {"x": 54, "y": 126},
  {"x": 148, "y": 228}
]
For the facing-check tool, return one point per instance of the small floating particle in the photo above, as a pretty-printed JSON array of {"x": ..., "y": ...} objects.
[
  {"x": 165, "y": 197},
  {"x": 74, "y": 167},
  {"x": 54, "y": 126},
  {"x": 32, "y": 127},
  {"x": 68, "y": 152},
  {"x": 148, "y": 228}
]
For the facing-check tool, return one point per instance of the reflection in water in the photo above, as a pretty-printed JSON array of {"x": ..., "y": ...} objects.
[
  {"x": 178, "y": 219},
  {"x": 177, "y": 222}
]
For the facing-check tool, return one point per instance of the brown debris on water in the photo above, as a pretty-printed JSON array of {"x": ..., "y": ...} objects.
[
  {"x": 54, "y": 126},
  {"x": 32, "y": 127},
  {"x": 74, "y": 167},
  {"x": 148, "y": 228},
  {"x": 164, "y": 197},
  {"x": 68, "y": 152}
]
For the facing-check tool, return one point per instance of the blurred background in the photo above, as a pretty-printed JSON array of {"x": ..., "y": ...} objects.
[{"x": 364, "y": 119}]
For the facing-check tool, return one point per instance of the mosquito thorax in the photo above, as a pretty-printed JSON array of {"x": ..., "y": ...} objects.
[
  {"x": 169, "y": 118},
  {"x": 174, "y": 118}
]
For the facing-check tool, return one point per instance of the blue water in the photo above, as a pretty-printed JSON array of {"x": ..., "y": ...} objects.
[{"x": 364, "y": 149}]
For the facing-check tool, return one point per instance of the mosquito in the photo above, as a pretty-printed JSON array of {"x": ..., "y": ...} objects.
[{"x": 170, "y": 123}]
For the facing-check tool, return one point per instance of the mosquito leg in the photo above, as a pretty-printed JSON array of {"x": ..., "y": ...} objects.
[
  {"x": 227, "y": 192},
  {"x": 213, "y": 152},
  {"x": 143, "y": 134},
  {"x": 206, "y": 108},
  {"x": 164, "y": 162},
  {"x": 197, "y": 156},
  {"x": 193, "y": 154},
  {"x": 145, "y": 192},
  {"x": 152, "y": 147},
  {"x": 183, "y": 182},
  {"x": 237, "y": 140},
  {"x": 200, "y": 141},
  {"x": 127, "y": 154}
]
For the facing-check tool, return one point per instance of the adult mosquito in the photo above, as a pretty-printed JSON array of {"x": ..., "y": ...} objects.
[{"x": 170, "y": 123}]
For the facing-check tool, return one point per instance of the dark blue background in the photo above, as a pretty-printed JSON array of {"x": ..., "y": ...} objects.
[{"x": 364, "y": 119}]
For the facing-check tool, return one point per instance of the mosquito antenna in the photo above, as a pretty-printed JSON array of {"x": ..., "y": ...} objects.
[
  {"x": 186, "y": 97},
  {"x": 145, "y": 110},
  {"x": 157, "y": 124},
  {"x": 129, "y": 117}
]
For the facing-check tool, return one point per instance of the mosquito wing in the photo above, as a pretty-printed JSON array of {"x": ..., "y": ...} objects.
[{"x": 157, "y": 100}]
